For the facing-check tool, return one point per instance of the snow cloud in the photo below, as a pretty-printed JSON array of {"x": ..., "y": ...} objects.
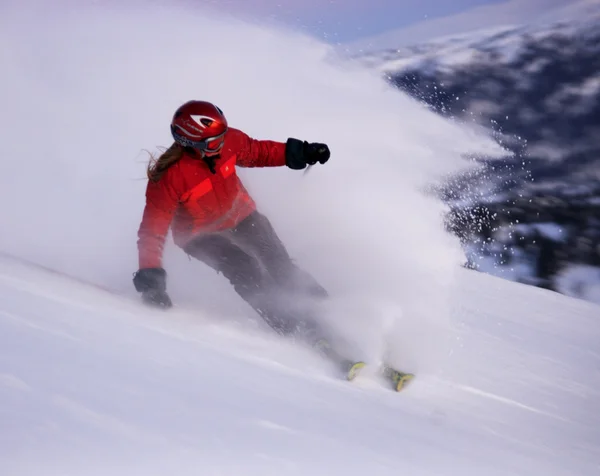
[{"x": 88, "y": 89}]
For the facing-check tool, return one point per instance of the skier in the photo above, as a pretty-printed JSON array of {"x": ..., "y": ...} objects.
[{"x": 193, "y": 189}]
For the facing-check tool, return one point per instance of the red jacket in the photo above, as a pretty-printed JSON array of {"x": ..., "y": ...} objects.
[{"x": 193, "y": 200}]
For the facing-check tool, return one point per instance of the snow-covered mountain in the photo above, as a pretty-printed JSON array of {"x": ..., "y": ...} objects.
[
  {"x": 482, "y": 17},
  {"x": 537, "y": 87}
]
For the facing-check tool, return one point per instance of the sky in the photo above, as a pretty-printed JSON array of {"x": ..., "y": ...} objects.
[{"x": 348, "y": 20}]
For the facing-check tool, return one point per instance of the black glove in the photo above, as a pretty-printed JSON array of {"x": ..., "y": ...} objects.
[
  {"x": 152, "y": 283},
  {"x": 299, "y": 154}
]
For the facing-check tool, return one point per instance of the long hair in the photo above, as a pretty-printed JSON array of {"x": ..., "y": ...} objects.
[{"x": 158, "y": 166}]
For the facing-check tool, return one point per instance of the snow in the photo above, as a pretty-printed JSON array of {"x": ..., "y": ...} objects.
[
  {"x": 552, "y": 231},
  {"x": 580, "y": 281},
  {"x": 575, "y": 99},
  {"x": 503, "y": 43},
  {"x": 590, "y": 86},
  {"x": 92, "y": 383},
  {"x": 354, "y": 223},
  {"x": 482, "y": 18}
]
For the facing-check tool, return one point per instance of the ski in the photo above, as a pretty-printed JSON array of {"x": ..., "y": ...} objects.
[
  {"x": 397, "y": 379},
  {"x": 350, "y": 369}
]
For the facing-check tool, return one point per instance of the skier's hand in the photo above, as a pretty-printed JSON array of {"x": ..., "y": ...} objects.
[
  {"x": 315, "y": 152},
  {"x": 152, "y": 283},
  {"x": 299, "y": 154}
]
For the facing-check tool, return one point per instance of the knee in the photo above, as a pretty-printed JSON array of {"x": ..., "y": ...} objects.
[
  {"x": 247, "y": 277},
  {"x": 298, "y": 279}
]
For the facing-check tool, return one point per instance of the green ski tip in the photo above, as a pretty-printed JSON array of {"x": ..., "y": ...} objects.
[
  {"x": 399, "y": 380},
  {"x": 354, "y": 369}
]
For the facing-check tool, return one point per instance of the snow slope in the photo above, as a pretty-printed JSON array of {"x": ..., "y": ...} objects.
[{"x": 91, "y": 384}]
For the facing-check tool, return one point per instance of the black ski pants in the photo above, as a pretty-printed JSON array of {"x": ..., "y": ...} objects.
[{"x": 255, "y": 261}]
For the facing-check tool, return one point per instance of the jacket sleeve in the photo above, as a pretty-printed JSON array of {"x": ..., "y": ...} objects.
[
  {"x": 161, "y": 203},
  {"x": 258, "y": 153}
]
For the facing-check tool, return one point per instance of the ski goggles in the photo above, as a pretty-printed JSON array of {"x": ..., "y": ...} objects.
[{"x": 210, "y": 144}]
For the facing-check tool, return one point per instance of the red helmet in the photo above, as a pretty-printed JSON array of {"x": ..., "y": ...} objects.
[{"x": 201, "y": 125}]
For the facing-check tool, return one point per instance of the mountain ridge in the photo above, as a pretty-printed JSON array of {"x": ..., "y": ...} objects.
[{"x": 536, "y": 88}]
